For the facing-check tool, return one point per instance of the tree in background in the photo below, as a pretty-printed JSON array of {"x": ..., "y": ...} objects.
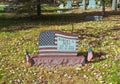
[
  {"x": 114, "y": 5},
  {"x": 34, "y": 6},
  {"x": 38, "y": 7},
  {"x": 103, "y": 7},
  {"x": 110, "y": 2},
  {"x": 27, "y": 6},
  {"x": 84, "y": 5}
]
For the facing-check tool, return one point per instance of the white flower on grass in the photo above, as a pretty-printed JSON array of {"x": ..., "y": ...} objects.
[
  {"x": 84, "y": 76},
  {"x": 78, "y": 68},
  {"x": 35, "y": 73},
  {"x": 66, "y": 75},
  {"x": 18, "y": 80}
]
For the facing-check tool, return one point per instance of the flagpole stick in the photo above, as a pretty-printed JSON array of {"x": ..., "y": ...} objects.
[{"x": 72, "y": 28}]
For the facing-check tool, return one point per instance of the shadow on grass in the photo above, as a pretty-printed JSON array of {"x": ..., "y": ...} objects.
[
  {"x": 97, "y": 61},
  {"x": 55, "y": 10},
  {"x": 49, "y": 19},
  {"x": 97, "y": 56},
  {"x": 2, "y": 11}
]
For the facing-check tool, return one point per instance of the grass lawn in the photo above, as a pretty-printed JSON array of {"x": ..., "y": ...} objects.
[
  {"x": 1, "y": 9},
  {"x": 19, "y": 34}
]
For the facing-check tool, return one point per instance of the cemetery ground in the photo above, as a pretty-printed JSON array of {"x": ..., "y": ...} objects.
[{"x": 18, "y": 34}]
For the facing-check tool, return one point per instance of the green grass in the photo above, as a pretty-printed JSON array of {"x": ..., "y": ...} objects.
[
  {"x": 19, "y": 34},
  {"x": 1, "y": 9}
]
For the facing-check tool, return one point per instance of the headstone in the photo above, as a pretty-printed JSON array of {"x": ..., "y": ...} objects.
[
  {"x": 59, "y": 11},
  {"x": 81, "y": 5},
  {"x": 61, "y": 6},
  {"x": 118, "y": 1},
  {"x": 57, "y": 48},
  {"x": 69, "y": 4},
  {"x": 94, "y": 18},
  {"x": 57, "y": 43},
  {"x": 68, "y": 12},
  {"x": 8, "y": 9},
  {"x": 92, "y": 4},
  {"x": 118, "y": 4},
  {"x": 99, "y": 4}
]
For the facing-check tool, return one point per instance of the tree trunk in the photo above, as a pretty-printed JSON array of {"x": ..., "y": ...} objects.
[
  {"x": 110, "y": 3},
  {"x": 84, "y": 5},
  {"x": 103, "y": 7},
  {"x": 38, "y": 7},
  {"x": 114, "y": 5}
]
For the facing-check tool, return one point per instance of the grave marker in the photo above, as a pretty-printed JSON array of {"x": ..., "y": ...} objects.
[
  {"x": 94, "y": 18},
  {"x": 59, "y": 11},
  {"x": 69, "y": 4},
  {"x": 81, "y": 5},
  {"x": 57, "y": 48},
  {"x": 8, "y": 9},
  {"x": 99, "y": 4},
  {"x": 92, "y": 4},
  {"x": 61, "y": 6},
  {"x": 57, "y": 43}
]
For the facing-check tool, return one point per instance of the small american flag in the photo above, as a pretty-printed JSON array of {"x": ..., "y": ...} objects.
[
  {"x": 27, "y": 57},
  {"x": 90, "y": 54},
  {"x": 50, "y": 45}
]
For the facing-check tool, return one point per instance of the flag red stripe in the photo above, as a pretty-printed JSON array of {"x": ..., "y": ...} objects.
[{"x": 90, "y": 55}]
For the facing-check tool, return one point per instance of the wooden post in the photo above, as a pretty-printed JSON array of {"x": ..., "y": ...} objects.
[{"x": 72, "y": 28}]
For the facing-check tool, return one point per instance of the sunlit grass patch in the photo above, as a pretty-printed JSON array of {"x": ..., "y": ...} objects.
[{"x": 2, "y": 8}]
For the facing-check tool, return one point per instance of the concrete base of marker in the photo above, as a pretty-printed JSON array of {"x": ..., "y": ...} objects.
[{"x": 37, "y": 60}]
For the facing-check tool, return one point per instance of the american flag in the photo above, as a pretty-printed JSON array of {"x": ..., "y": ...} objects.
[
  {"x": 27, "y": 56},
  {"x": 90, "y": 54},
  {"x": 57, "y": 43}
]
